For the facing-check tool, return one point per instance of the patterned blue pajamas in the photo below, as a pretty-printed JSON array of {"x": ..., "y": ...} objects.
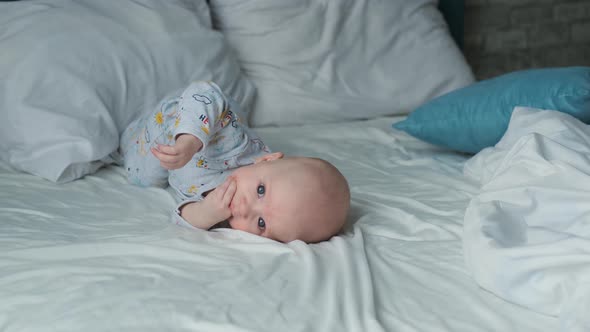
[{"x": 201, "y": 110}]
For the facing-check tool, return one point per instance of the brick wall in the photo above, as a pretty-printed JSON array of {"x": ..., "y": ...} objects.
[{"x": 507, "y": 35}]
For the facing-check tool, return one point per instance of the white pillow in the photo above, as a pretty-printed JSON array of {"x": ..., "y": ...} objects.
[
  {"x": 335, "y": 60},
  {"x": 73, "y": 74}
]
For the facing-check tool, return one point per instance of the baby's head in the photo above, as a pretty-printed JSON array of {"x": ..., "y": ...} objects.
[{"x": 290, "y": 198}]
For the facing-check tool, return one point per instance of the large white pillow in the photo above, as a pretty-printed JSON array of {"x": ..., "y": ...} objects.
[
  {"x": 335, "y": 60},
  {"x": 73, "y": 74}
]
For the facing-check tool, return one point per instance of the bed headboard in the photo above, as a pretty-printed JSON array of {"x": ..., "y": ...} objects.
[{"x": 454, "y": 12}]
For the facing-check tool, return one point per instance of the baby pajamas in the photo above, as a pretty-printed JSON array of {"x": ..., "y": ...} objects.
[{"x": 201, "y": 110}]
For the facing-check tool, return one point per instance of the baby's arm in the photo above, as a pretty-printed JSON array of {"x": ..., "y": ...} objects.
[
  {"x": 203, "y": 110},
  {"x": 211, "y": 210}
]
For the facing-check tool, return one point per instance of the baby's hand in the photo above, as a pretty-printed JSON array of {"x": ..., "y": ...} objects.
[
  {"x": 177, "y": 155},
  {"x": 218, "y": 200}
]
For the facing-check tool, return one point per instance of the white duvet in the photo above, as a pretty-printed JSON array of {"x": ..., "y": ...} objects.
[
  {"x": 527, "y": 231},
  {"x": 98, "y": 254}
]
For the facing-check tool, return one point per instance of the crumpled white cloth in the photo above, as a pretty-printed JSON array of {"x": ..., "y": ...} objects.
[{"x": 527, "y": 232}]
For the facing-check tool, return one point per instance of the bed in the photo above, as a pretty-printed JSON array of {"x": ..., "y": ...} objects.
[{"x": 83, "y": 250}]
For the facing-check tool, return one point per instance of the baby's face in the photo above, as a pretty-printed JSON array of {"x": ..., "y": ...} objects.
[
  {"x": 289, "y": 199},
  {"x": 266, "y": 202}
]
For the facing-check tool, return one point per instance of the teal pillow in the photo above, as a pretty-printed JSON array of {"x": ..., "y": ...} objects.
[{"x": 475, "y": 117}]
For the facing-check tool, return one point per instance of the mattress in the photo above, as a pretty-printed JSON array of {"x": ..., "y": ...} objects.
[{"x": 99, "y": 254}]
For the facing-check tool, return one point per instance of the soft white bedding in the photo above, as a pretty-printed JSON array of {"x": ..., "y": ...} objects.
[
  {"x": 527, "y": 231},
  {"x": 98, "y": 254}
]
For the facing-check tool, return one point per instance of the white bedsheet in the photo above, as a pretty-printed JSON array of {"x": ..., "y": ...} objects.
[
  {"x": 100, "y": 255},
  {"x": 527, "y": 232}
]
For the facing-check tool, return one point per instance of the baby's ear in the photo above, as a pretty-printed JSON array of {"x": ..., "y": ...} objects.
[{"x": 269, "y": 157}]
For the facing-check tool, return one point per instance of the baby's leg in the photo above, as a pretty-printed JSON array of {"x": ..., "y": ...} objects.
[{"x": 143, "y": 168}]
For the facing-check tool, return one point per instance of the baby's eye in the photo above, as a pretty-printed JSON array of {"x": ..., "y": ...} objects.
[
  {"x": 261, "y": 224},
  {"x": 260, "y": 190}
]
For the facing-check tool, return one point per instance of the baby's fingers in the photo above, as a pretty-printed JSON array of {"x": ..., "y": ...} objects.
[
  {"x": 222, "y": 187},
  {"x": 217, "y": 193},
  {"x": 167, "y": 149},
  {"x": 230, "y": 192},
  {"x": 164, "y": 158}
]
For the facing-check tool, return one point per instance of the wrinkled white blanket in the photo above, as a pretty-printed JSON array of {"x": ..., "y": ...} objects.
[{"x": 527, "y": 232}]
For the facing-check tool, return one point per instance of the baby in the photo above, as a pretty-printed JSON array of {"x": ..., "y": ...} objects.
[{"x": 222, "y": 172}]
